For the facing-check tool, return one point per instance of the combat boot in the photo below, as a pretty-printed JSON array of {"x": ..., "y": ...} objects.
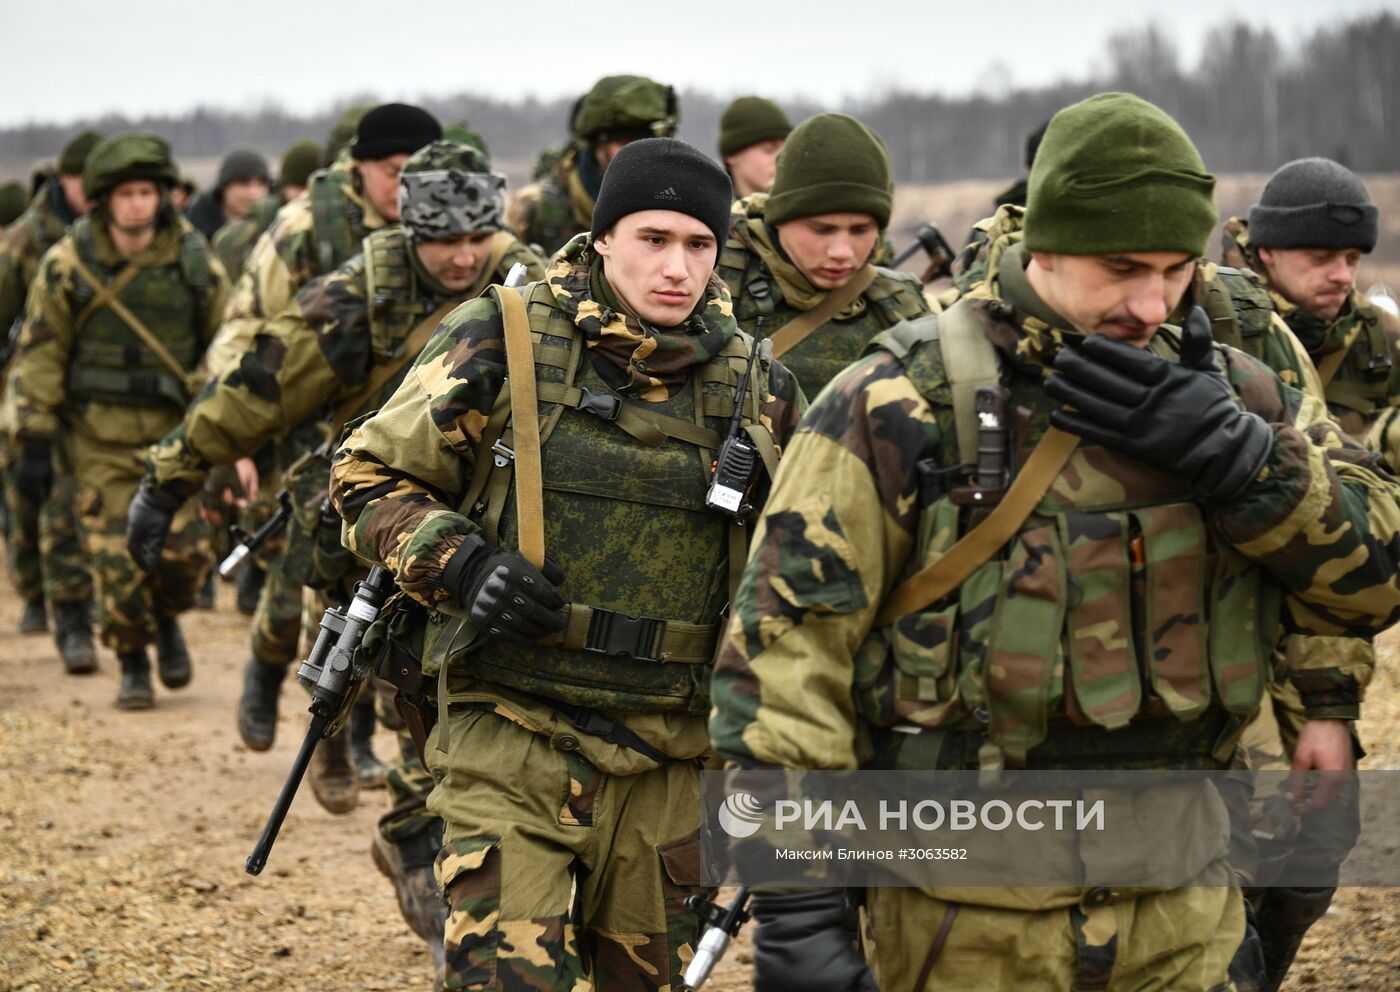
[
  {"x": 73, "y": 635},
  {"x": 135, "y": 691},
  {"x": 249, "y": 588},
  {"x": 369, "y": 770},
  {"x": 172, "y": 657},
  {"x": 1285, "y": 916},
  {"x": 257, "y": 707},
  {"x": 34, "y": 619},
  {"x": 409, "y": 865},
  {"x": 333, "y": 775}
]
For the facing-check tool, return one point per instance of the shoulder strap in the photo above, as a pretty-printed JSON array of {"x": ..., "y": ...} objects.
[
  {"x": 795, "y": 331},
  {"x": 971, "y": 363},
  {"x": 141, "y": 330},
  {"x": 104, "y": 294},
  {"x": 977, "y": 546},
  {"x": 529, "y": 478},
  {"x": 1327, "y": 368}
]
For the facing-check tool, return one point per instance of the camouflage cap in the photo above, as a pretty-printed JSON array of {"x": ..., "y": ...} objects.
[
  {"x": 75, "y": 153},
  {"x": 447, "y": 190},
  {"x": 626, "y": 107},
  {"x": 127, "y": 157},
  {"x": 14, "y": 198}
]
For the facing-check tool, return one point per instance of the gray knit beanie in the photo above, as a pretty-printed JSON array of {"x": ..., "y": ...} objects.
[{"x": 1314, "y": 203}]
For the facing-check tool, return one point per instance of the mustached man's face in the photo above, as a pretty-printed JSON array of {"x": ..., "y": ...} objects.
[
  {"x": 1317, "y": 280},
  {"x": 1123, "y": 296}
]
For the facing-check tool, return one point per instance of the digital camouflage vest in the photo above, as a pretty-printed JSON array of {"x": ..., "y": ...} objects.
[
  {"x": 646, "y": 560},
  {"x": 110, "y": 363},
  {"x": 827, "y": 351},
  {"x": 1095, "y": 617}
]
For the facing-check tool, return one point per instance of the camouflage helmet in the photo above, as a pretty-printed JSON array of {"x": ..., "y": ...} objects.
[
  {"x": 447, "y": 190},
  {"x": 626, "y": 107},
  {"x": 127, "y": 157}
]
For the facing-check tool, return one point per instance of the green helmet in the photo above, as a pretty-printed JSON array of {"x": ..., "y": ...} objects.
[
  {"x": 626, "y": 107},
  {"x": 134, "y": 155},
  {"x": 299, "y": 161},
  {"x": 343, "y": 130},
  {"x": 14, "y": 198},
  {"x": 465, "y": 134},
  {"x": 447, "y": 190}
]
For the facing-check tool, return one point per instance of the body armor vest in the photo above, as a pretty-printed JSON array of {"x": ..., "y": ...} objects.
[
  {"x": 109, "y": 363},
  {"x": 1096, "y": 618},
  {"x": 628, "y": 523},
  {"x": 828, "y": 350},
  {"x": 1361, "y": 384}
]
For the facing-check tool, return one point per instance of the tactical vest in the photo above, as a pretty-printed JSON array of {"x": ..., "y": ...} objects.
[
  {"x": 391, "y": 291},
  {"x": 1240, "y": 310},
  {"x": 109, "y": 362},
  {"x": 827, "y": 351},
  {"x": 1362, "y": 382},
  {"x": 1087, "y": 641},
  {"x": 626, "y": 520},
  {"x": 339, "y": 221}
]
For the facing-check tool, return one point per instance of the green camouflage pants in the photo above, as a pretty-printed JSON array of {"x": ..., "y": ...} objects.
[
  {"x": 1175, "y": 941},
  {"x": 556, "y": 874},
  {"x": 130, "y": 600},
  {"x": 409, "y": 785},
  {"x": 46, "y": 554},
  {"x": 277, "y": 619}
]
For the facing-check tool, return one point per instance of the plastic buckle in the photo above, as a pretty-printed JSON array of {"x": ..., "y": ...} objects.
[
  {"x": 607, "y": 407},
  {"x": 613, "y": 633}
]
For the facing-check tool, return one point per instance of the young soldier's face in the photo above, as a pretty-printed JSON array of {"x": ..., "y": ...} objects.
[
  {"x": 379, "y": 180},
  {"x": 241, "y": 194},
  {"x": 752, "y": 168},
  {"x": 132, "y": 205},
  {"x": 455, "y": 264},
  {"x": 1317, "y": 280},
  {"x": 829, "y": 248},
  {"x": 658, "y": 262},
  {"x": 1124, "y": 297}
]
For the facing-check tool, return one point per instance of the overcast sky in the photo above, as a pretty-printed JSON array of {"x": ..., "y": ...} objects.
[{"x": 79, "y": 58}]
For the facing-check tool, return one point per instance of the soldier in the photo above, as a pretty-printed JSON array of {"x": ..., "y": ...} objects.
[
  {"x": 798, "y": 258},
  {"x": 334, "y": 354},
  {"x": 1305, "y": 237},
  {"x": 45, "y": 551},
  {"x": 13, "y": 201},
  {"x": 243, "y": 180},
  {"x": 1074, "y": 317},
  {"x": 618, "y": 109},
  {"x": 234, "y": 240},
  {"x": 118, "y": 316},
  {"x": 638, "y": 365},
  {"x": 1015, "y": 194},
  {"x": 751, "y": 134}
]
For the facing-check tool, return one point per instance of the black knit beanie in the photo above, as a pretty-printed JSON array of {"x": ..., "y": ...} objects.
[
  {"x": 664, "y": 174},
  {"x": 1314, "y": 203},
  {"x": 394, "y": 129}
]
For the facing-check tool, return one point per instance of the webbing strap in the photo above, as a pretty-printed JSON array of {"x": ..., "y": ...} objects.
[
  {"x": 646, "y": 426},
  {"x": 105, "y": 294},
  {"x": 143, "y": 332},
  {"x": 524, "y": 415},
  {"x": 589, "y": 628},
  {"x": 1330, "y": 363},
  {"x": 412, "y": 346},
  {"x": 978, "y": 545},
  {"x": 795, "y": 331}
]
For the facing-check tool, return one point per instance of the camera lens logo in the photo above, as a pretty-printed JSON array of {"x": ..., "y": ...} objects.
[{"x": 741, "y": 815}]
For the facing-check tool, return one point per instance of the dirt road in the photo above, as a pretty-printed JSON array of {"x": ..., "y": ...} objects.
[{"x": 123, "y": 837}]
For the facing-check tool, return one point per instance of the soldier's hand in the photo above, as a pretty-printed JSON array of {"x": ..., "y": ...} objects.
[
  {"x": 34, "y": 475},
  {"x": 504, "y": 594},
  {"x": 806, "y": 940},
  {"x": 1182, "y": 419},
  {"x": 1323, "y": 746},
  {"x": 148, "y": 524}
]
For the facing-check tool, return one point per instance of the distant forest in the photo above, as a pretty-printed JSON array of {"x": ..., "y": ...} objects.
[{"x": 1251, "y": 102}]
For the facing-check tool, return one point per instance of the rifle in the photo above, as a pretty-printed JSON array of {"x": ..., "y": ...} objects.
[
  {"x": 334, "y": 675},
  {"x": 724, "y": 923},
  {"x": 231, "y": 565},
  {"x": 930, "y": 240}
]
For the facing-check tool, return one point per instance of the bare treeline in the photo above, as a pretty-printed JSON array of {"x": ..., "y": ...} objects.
[{"x": 1250, "y": 102}]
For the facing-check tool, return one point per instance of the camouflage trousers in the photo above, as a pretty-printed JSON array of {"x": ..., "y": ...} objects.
[
  {"x": 1180, "y": 940},
  {"x": 130, "y": 601},
  {"x": 277, "y": 620},
  {"x": 409, "y": 785},
  {"x": 558, "y": 876},
  {"x": 45, "y": 552}
]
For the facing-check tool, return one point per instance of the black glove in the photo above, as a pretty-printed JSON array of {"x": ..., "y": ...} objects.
[
  {"x": 34, "y": 474},
  {"x": 148, "y": 524},
  {"x": 503, "y": 593},
  {"x": 807, "y": 940},
  {"x": 1181, "y": 419}
]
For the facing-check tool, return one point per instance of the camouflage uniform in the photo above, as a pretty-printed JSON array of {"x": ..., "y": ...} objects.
[
  {"x": 1041, "y": 687},
  {"x": 766, "y": 285},
  {"x": 45, "y": 554},
  {"x": 626, "y": 519},
  {"x": 107, "y": 396},
  {"x": 233, "y": 242}
]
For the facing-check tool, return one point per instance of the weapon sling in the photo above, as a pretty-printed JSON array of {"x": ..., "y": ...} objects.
[{"x": 795, "y": 331}]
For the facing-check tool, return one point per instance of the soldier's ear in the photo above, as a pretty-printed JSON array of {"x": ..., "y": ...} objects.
[{"x": 602, "y": 244}]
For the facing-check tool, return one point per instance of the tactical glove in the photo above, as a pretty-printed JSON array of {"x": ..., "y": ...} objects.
[
  {"x": 1181, "y": 419},
  {"x": 504, "y": 594},
  {"x": 34, "y": 475},
  {"x": 806, "y": 940},
  {"x": 148, "y": 524}
]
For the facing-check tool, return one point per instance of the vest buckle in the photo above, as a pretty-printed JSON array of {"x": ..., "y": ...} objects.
[
  {"x": 614, "y": 633},
  {"x": 606, "y": 407},
  {"x": 504, "y": 454}
]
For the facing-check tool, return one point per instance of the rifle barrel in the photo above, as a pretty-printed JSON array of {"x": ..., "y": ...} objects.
[{"x": 258, "y": 859}]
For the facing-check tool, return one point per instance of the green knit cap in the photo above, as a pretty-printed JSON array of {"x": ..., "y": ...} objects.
[
  {"x": 831, "y": 164},
  {"x": 1116, "y": 174},
  {"x": 749, "y": 120},
  {"x": 13, "y": 200},
  {"x": 299, "y": 161}
]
